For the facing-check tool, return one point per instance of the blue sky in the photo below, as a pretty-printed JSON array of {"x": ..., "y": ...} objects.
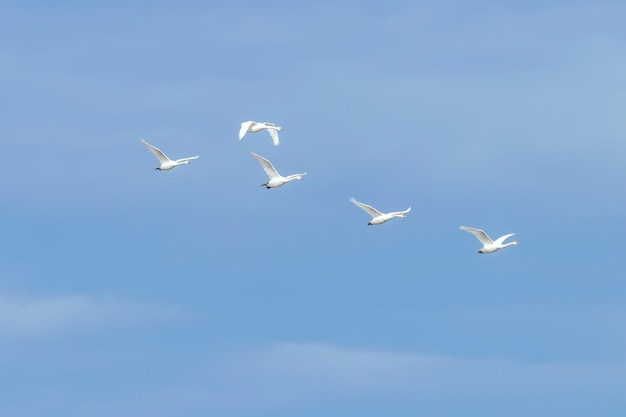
[{"x": 126, "y": 291}]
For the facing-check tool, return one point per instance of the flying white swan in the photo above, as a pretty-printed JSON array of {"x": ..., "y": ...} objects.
[
  {"x": 489, "y": 246},
  {"x": 377, "y": 216},
  {"x": 166, "y": 163},
  {"x": 276, "y": 180},
  {"x": 254, "y": 127}
]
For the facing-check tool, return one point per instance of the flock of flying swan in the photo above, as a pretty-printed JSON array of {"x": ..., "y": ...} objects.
[{"x": 276, "y": 180}]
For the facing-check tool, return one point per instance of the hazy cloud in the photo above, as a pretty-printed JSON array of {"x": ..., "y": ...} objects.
[
  {"x": 28, "y": 316},
  {"x": 287, "y": 373}
]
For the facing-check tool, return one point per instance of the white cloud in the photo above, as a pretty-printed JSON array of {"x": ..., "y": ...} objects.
[
  {"x": 27, "y": 316},
  {"x": 286, "y": 378},
  {"x": 289, "y": 373}
]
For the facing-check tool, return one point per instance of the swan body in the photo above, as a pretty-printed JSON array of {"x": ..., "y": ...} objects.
[
  {"x": 489, "y": 245},
  {"x": 377, "y": 216},
  {"x": 275, "y": 179},
  {"x": 166, "y": 163},
  {"x": 254, "y": 127}
]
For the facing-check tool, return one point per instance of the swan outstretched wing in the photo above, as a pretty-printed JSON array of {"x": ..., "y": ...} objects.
[
  {"x": 188, "y": 159},
  {"x": 369, "y": 209},
  {"x": 274, "y": 135},
  {"x": 401, "y": 212},
  {"x": 501, "y": 239},
  {"x": 156, "y": 151},
  {"x": 267, "y": 166},
  {"x": 297, "y": 176},
  {"x": 244, "y": 128},
  {"x": 480, "y": 235}
]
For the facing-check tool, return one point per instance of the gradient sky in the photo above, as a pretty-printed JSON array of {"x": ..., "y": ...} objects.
[{"x": 126, "y": 291}]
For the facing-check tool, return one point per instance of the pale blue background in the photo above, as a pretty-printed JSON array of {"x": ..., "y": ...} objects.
[{"x": 129, "y": 292}]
